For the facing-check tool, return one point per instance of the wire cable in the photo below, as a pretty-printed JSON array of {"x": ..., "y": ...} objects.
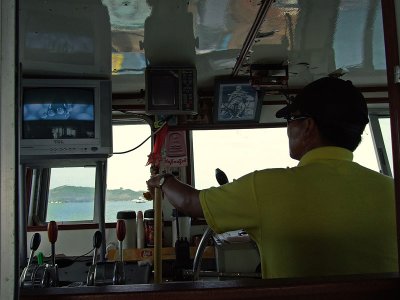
[
  {"x": 152, "y": 134},
  {"x": 76, "y": 258}
]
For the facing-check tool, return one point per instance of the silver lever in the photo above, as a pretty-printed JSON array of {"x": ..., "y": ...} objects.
[
  {"x": 35, "y": 243},
  {"x": 52, "y": 280},
  {"x": 27, "y": 273},
  {"x": 119, "y": 273},
  {"x": 97, "y": 239}
]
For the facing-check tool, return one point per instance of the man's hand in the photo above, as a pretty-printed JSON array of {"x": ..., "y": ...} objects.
[
  {"x": 148, "y": 196},
  {"x": 152, "y": 183}
]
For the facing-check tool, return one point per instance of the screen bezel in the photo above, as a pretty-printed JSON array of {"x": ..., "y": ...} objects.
[
  {"x": 180, "y": 89},
  {"x": 71, "y": 148}
]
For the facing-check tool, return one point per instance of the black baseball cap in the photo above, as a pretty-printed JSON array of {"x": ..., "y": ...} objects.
[{"x": 331, "y": 102}]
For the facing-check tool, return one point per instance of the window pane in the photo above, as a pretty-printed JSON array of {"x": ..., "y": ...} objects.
[
  {"x": 384, "y": 124},
  {"x": 238, "y": 152},
  {"x": 365, "y": 153},
  {"x": 71, "y": 194},
  {"x": 127, "y": 173}
]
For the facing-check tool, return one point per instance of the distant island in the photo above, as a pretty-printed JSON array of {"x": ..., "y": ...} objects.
[{"x": 67, "y": 193}]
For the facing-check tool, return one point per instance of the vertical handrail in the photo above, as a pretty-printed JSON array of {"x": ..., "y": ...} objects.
[{"x": 157, "y": 236}]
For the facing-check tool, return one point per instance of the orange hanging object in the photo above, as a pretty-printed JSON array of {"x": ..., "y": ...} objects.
[{"x": 155, "y": 157}]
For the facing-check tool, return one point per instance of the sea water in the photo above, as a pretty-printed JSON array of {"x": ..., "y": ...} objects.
[{"x": 83, "y": 210}]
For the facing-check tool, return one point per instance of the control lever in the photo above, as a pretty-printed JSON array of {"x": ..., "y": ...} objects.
[
  {"x": 97, "y": 239},
  {"x": 119, "y": 274},
  {"x": 35, "y": 243},
  {"x": 28, "y": 272},
  {"x": 46, "y": 275},
  {"x": 52, "y": 232},
  {"x": 104, "y": 272}
]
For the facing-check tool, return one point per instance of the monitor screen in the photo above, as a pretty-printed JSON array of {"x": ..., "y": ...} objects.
[
  {"x": 165, "y": 90},
  {"x": 58, "y": 113}
]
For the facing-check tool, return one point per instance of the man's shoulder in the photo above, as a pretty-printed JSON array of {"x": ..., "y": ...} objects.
[{"x": 372, "y": 173}]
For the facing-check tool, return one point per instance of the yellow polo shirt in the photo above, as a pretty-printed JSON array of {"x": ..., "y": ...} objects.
[{"x": 326, "y": 216}]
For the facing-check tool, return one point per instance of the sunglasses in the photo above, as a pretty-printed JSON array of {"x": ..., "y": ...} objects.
[{"x": 297, "y": 117}]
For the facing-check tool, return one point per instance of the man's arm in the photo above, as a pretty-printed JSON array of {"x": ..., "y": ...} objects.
[{"x": 182, "y": 196}]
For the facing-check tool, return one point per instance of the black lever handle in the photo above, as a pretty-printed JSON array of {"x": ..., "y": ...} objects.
[
  {"x": 35, "y": 241},
  {"x": 221, "y": 176},
  {"x": 97, "y": 239}
]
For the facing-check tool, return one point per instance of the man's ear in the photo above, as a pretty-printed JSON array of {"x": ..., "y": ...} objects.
[{"x": 310, "y": 130}]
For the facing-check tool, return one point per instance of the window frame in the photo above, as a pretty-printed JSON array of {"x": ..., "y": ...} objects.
[
  {"x": 380, "y": 149},
  {"x": 39, "y": 187},
  {"x": 130, "y": 119}
]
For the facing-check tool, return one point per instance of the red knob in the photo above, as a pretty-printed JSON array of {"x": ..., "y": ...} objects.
[
  {"x": 121, "y": 230},
  {"x": 52, "y": 231}
]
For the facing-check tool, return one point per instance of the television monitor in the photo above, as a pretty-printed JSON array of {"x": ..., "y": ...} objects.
[
  {"x": 64, "y": 119},
  {"x": 171, "y": 90}
]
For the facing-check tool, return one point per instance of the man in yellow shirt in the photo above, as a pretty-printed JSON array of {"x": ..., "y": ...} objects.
[{"x": 326, "y": 216}]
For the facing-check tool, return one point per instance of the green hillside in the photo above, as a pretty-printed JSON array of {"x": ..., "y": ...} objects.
[{"x": 68, "y": 193}]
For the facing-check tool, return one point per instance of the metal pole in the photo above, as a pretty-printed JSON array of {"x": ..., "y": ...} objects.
[
  {"x": 100, "y": 195},
  {"x": 157, "y": 236}
]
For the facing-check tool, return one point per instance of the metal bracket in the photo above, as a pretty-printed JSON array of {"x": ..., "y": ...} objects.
[{"x": 397, "y": 74}]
